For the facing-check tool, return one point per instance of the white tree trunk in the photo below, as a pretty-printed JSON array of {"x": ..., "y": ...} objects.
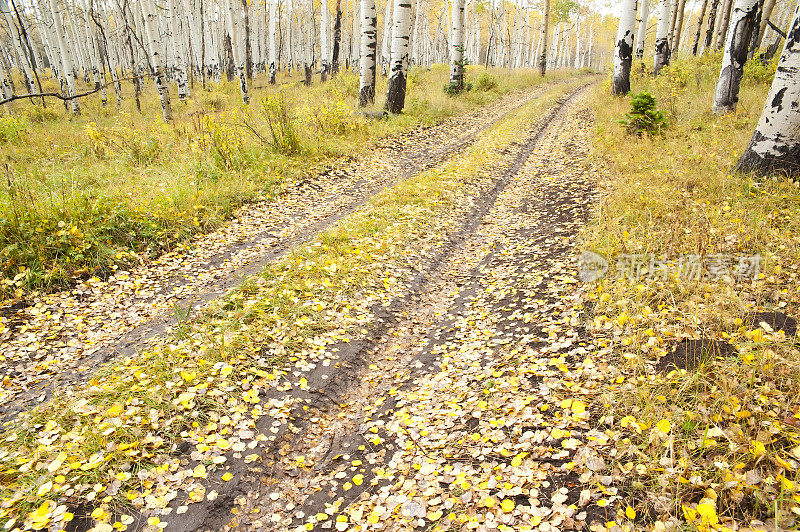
[
  {"x": 398, "y": 71},
  {"x": 663, "y": 54},
  {"x": 623, "y": 55},
  {"x": 457, "y": 45},
  {"x": 644, "y": 15},
  {"x": 155, "y": 57},
  {"x": 387, "y": 37},
  {"x": 238, "y": 53},
  {"x": 66, "y": 58},
  {"x": 775, "y": 146},
  {"x": 273, "y": 50},
  {"x": 737, "y": 44},
  {"x": 545, "y": 22},
  {"x": 323, "y": 37},
  {"x": 369, "y": 48}
]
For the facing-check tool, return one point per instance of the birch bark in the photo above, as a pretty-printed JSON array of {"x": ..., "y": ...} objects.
[
  {"x": 775, "y": 145},
  {"x": 623, "y": 55}
]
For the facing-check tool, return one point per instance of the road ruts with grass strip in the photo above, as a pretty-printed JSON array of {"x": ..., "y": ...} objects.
[
  {"x": 257, "y": 241},
  {"x": 477, "y": 315},
  {"x": 330, "y": 388}
]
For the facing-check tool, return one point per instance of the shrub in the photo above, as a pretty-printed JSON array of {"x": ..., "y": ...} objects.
[
  {"x": 12, "y": 129},
  {"x": 759, "y": 72},
  {"x": 485, "y": 82},
  {"x": 643, "y": 116},
  {"x": 280, "y": 119},
  {"x": 140, "y": 147},
  {"x": 333, "y": 118},
  {"x": 38, "y": 114}
]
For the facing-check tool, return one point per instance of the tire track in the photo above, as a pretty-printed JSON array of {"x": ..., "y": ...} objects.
[{"x": 330, "y": 388}]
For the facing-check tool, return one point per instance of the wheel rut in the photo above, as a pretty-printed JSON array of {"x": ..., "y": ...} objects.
[{"x": 331, "y": 426}]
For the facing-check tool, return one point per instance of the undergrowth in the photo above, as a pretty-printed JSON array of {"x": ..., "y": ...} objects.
[{"x": 720, "y": 443}]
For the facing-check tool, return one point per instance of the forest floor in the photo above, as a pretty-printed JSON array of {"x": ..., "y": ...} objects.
[{"x": 387, "y": 222}]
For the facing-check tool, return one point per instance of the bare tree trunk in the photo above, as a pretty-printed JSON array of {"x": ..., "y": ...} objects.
[
  {"x": 337, "y": 38},
  {"x": 725, "y": 19},
  {"x": 545, "y": 24},
  {"x": 775, "y": 145},
  {"x": 737, "y": 45},
  {"x": 396, "y": 90},
  {"x": 237, "y": 52},
  {"x": 273, "y": 51},
  {"x": 66, "y": 58},
  {"x": 696, "y": 43},
  {"x": 712, "y": 19},
  {"x": 623, "y": 56},
  {"x": 663, "y": 51},
  {"x": 644, "y": 14},
  {"x": 457, "y": 46},
  {"x": 369, "y": 49},
  {"x": 676, "y": 37},
  {"x": 325, "y": 15},
  {"x": 387, "y": 37},
  {"x": 769, "y": 6}
]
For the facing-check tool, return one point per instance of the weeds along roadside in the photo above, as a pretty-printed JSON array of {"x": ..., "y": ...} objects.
[
  {"x": 82, "y": 196},
  {"x": 108, "y": 444},
  {"x": 723, "y": 441}
]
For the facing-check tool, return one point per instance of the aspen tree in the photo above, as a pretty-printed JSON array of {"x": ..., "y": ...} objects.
[
  {"x": 775, "y": 145},
  {"x": 369, "y": 48},
  {"x": 398, "y": 64},
  {"x": 623, "y": 55},
  {"x": 737, "y": 43}
]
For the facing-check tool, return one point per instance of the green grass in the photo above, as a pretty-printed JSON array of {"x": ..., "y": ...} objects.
[
  {"x": 81, "y": 196},
  {"x": 671, "y": 195}
]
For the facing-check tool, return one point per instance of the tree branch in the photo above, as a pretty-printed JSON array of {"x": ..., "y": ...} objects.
[
  {"x": 60, "y": 96},
  {"x": 776, "y": 28}
]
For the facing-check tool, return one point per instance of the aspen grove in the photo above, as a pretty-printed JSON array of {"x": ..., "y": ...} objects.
[{"x": 399, "y": 265}]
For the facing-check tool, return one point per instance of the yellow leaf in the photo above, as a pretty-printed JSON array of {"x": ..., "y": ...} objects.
[
  {"x": 507, "y": 506},
  {"x": 100, "y": 514},
  {"x": 664, "y": 426},
  {"x": 489, "y": 502},
  {"x": 757, "y": 448},
  {"x": 707, "y": 513},
  {"x": 358, "y": 479},
  {"x": 153, "y": 520},
  {"x": 115, "y": 410},
  {"x": 226, "y": 477},
  {"x": 630, "y": 513},
  {"x": 199, "y": 471}
]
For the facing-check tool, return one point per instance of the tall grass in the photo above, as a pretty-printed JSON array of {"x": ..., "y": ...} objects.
[{"x": 733, "y": 419}]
